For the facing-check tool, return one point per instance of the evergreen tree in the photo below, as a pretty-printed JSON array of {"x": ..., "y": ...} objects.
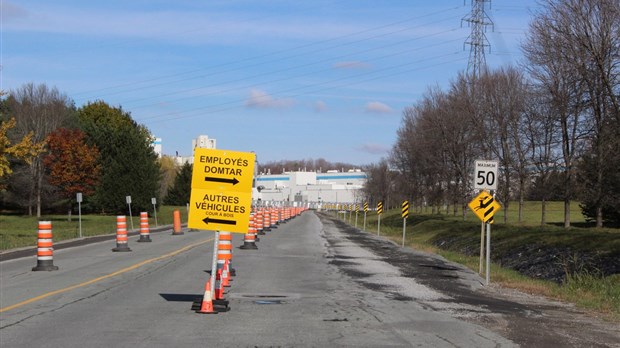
[
  {"x": 129, "y": 165},
  {"x": 179, "y": 193}
]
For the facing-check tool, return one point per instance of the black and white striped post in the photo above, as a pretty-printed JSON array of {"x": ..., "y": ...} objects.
[{"x": 405, "y": 214}]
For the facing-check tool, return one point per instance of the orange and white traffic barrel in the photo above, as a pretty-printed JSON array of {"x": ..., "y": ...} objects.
[
  {"x": 259, "y": 221},
  {"x": 249, "y": 239},
  {"x": 274, "y": 217},
  {"x": 45, "y": 249},
  {"x": 267, "y": 220},
  {"x": 145, "y": 233},
  {"x": 224, "y": 251},
  {"x": 121, "y": 234},
  {"x": 280, "y": 215}
]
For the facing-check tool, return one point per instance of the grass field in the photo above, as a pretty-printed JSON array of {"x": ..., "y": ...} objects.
[
  {"x": 531, "y": 214},
  {"x": 21, "y": 231}
]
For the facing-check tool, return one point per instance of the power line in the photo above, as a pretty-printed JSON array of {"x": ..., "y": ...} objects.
[
  {"x": 271, "y": 73},
  {"x": 217, "y": 69},
  {"x": 224, "y": 106}
]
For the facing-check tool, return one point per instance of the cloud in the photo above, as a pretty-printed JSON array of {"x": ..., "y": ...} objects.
[
  {"x": 261, "y": 100},
  {"x": 320, "y": 106},
  {"x": 354, "y": 64},
  {"x": 11, "y": 11},
  {"x": 372, "y": 148},
  {"x": 187, "y": 26},
  {"x": 377, "y": 108}
]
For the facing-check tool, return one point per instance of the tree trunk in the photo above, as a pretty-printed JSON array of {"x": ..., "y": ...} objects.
[
  {"x": 38, "y": 194},
  {"x": 543, "y": 213},
  {"x": 566, "y": 213}
]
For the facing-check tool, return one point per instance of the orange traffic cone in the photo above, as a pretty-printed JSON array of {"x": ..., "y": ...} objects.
[
  {"x": 207, "y": 303},
  {"x": 226, "y": 275},
  {"x": 219, "y": 289}
]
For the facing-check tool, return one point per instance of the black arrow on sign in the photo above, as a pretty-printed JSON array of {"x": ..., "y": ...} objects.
[
  {"x": 233, "y": 181},
  {"x": 219, "y": 221}
]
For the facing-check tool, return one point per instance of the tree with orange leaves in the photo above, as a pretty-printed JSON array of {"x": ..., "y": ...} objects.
[{"x": 72, "y": 164}]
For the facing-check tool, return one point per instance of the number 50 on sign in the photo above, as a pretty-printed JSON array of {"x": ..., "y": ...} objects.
[{"x": 485, "y": 175}]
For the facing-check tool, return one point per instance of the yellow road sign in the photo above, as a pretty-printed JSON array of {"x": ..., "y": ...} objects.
[
  {"x": 484, "y": 206},
  {"x": 224, "y": 211},
  {"x": 405, "y": 209},
  {"x": 221, "y": 196},
  {"x": 223, "y": 170},
  {"x": 380, "y": 207}
]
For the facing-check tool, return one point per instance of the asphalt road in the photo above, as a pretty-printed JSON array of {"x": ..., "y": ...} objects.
[{"x": 313, "y": 282}]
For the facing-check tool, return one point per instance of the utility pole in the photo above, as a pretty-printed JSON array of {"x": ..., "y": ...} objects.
[{"x": 478, "y": 20}]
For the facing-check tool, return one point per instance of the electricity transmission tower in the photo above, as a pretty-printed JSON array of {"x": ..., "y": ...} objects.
[{"x": 478, "y": 20}]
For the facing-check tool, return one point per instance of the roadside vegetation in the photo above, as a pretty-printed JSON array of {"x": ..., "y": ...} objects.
[
  {"x": 21, "y": 230},
  {"x": 577, "y": 265}
]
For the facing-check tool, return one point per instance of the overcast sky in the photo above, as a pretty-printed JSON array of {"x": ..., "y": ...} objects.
[{"x": 286, "y": 79}]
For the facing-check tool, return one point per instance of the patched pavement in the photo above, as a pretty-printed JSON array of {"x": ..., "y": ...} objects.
[{"x": 405, "y": 275}]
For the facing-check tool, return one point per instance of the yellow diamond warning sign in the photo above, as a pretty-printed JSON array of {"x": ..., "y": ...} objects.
[
  {"x": 484, "y": 206},
  {"x": 221, "y": 196}
]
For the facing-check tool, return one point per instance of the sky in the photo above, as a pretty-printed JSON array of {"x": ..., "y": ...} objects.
[{"x": 288, "y": 80}]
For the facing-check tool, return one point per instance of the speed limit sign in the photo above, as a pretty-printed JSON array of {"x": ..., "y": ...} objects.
[{"x": 485, "y": 175}]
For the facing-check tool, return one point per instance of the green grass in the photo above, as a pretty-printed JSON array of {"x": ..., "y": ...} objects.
[
  {"x": 586, "y": 289},
  {"x": 21, "y": 231}
]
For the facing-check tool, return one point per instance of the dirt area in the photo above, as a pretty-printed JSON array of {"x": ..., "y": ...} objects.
[{"x": 527, "y": 320}]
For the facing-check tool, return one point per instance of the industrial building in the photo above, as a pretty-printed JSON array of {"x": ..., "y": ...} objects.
[{"x": 312, "y": 187}]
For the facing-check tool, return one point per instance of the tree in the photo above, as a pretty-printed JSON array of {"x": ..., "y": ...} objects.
[
  {"x": 378, "y": 184},
  {"x": 541, "y": 132},
  {"x": 72, "y": 164},
  {"x": 38, "y": 110},
  {"x": 573, "y": 50},
  {"x": 179, "y": 193},
  {"x": 24, "y": 150},
  {"x": 129, "y": 163},
  {"x": 168, "y": 174}
]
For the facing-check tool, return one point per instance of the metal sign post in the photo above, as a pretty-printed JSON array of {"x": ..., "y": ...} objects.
[
  {"x": 481, "y": 247},
  {"x": 488, "y": 269},
  {"x": 79, "y": 202},
  {"x": 128, "y": 198},
  {"x": 485, "y": 206},
  {"x": 216, "y": 241},
  {"x": 154, "y": 202}
]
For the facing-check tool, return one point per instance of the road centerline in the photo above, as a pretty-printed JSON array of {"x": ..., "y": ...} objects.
[{"x": 98, "y": 279}]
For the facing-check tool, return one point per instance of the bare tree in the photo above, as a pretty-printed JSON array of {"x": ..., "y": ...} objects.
[
  {"x": 573, "y": 49},
  {"x": 502, "y": 95},
  {"x": 40, "y": 110},
  {"x": 379, "y": 185},
  {"x": 541, "y": 134},
  {"x": 462, "y": 136}
]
